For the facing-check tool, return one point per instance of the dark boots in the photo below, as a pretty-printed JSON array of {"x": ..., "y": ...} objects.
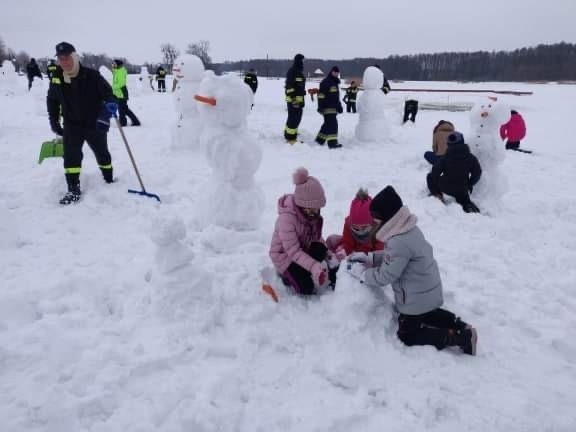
[
  {"x": 74, "y": 193},
  {"x": 465, "y": 339},
  {"x": 107, "y": 173}
]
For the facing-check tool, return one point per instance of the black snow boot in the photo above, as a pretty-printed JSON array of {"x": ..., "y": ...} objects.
[
  {"x": 107, "y": 173},
  {"x": 470, "y": 208},
  {"x": 334, "y": 145},
  {"x": 74, "y": 194},
  {"x": 465, "y": 339}
]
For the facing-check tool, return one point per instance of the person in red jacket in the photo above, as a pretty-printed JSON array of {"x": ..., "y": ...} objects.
[
  {"x": 357, "y": 233},
  {"x": 514, "y": 131}
]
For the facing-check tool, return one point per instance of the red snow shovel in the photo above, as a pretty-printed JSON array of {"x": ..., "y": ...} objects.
[{"x": 143, "y": 191}]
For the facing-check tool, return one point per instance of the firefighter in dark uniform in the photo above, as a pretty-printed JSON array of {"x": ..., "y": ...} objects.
[
  {"x": 350, "y": 97},
  {"x": 329, "y": 106},
  {"x": 295, "y": 90},
  {"x": 87, "y": 104},
  {"x": 161, "y": 79},
  {"x": 51, "y": 69},
  {"x": 251, "y": 79}
]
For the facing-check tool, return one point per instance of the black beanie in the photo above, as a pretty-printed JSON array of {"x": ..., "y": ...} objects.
[
  {"x": 299, "y": 57},
  {"x": 455, "y": 138},
  {"x": 335, "y": 69},
  {"x": 386, "y": 204}
]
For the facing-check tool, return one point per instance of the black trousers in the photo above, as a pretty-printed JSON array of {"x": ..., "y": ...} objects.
[
  {"x": 300, "y": 279},
  {"x": 124, "y": 111},
  {"x": 410, "y": 110},
  {"x": 461, "y": 195},
  {"x": 292, "y": 123},
  {"x": 328, "y": 131},
  {"x": 351, "y": 106},
  {"x": 512, "y": 145},
  {"x": 74, "y": 138},
  {"x": 434, "y": 328},
  {"x": 161, "y": 85}
]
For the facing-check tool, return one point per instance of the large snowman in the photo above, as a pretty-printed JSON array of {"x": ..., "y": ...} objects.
[
  {"x": 189, "y": 71},
  {"x": 232, "y": 198},
  {"x": 372, "y": 124},
  {"x": 484, "y": 141}
]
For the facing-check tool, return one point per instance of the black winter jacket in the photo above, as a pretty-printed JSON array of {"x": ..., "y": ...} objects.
[
  {"x": 455, "y": 172},
  {"x": 295, "y": 86},
  {"x": 81, "y": 100},
  {"x": 32, "y": 70},
  {"x": 329, "y": 96},
  {"x": 252, "y": 80}
]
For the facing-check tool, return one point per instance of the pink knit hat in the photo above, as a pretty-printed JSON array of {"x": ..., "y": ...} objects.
[
  {"x": 308, "y": 192},
  {"x": 360, "y": 209}
]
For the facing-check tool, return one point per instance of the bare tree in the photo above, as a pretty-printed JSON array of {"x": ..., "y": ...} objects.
[
  {"x": 3, "y": 53},
  {"x": 169, "y": 54},
  {"x": 21, "y": 60},
  {"x": 201, "y": 49}
]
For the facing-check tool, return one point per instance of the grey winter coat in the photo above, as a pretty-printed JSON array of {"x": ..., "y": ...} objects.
[{"x": 407, "y": 262}]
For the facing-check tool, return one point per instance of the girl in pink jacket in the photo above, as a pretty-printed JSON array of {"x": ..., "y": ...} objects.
[
  {"x": 514, "y": 131},
  {"x": 297, "y": 249}
]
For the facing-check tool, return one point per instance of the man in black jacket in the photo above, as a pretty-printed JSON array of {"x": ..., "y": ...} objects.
[
  {"x": 251, "y": 79},
  {"x": 329, "y": 106},
  {"x": 87, "y": 104},
  {"x": 455, "y": 173},
  {"x": 350, "y": 97},
  {"x": 161, "y": 79},
  {"x": 32, "y": 70},
  {"x": 295, "y": 90}
]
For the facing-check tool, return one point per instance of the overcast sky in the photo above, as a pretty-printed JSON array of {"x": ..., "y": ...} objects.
[{"x": 243, "y": 29}]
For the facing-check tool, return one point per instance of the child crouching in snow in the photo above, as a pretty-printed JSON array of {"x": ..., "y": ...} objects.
[
  {"x": 408, "y": 264},
  {"x": 297, "y": 249},
  {"x": 357, "y": 232}
]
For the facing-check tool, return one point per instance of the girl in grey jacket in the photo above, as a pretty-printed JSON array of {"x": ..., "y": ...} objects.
[{"x": 407, "y": 263}]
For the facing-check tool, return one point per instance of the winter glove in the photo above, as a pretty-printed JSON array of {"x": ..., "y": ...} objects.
[
  {"x": 470, "y": 189},
  {"x": 319, "y": 273},
  {"x": 356, "y": 270},
  {"x": 103, "y": 121},
  {"x": 340, "y": 109},
  {"x": 56, "y": 128},
  {"x": 367, "y": 259},
  {"x": 112, "y": 108}
]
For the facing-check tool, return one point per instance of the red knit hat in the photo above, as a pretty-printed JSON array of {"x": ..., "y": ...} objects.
[{"x": 360, "y": 209}]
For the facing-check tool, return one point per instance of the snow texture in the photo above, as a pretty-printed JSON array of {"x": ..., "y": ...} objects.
[{"x": 120, "y": 314}]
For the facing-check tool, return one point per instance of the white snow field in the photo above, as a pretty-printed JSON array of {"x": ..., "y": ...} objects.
[{"x": 96, "y": 336}]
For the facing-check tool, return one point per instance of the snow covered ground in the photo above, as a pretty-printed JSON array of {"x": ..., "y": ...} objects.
[{"x": 94, "y": 338}]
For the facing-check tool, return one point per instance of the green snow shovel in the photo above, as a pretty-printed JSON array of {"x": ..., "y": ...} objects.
[{"x": 52, "y": 148}]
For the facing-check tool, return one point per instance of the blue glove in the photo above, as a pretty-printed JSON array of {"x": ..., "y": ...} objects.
[
  {"x": 103, "y": 120},
  {"x": 112, "y": 108}
]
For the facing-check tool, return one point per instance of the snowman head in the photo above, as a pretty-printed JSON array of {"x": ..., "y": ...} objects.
[
  {"x": 373, "y": 78},
  {"x": 487, "y": 116},
  {"x": 188, "y": 67},
  {"x": 225, "y": 101}
]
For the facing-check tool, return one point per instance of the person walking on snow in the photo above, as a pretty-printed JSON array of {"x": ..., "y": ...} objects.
[
  {"x": 329, "y": 106},
  {"x": 350, "y": 97},
  {"x": 407, "y": 263},
  {"x": 297, "y": 249},
  {"x": 161, "y": 79},
  {"x": 119, "y": 78},
  {"x": 32, "y": 71},
  {"x": 513, "y": 131},
  {"x": 295, "y": 91},
  {"x": 455, "y": 173},
  {"x": 251, "y": 79},
  {"x": 87, "y": 104}
]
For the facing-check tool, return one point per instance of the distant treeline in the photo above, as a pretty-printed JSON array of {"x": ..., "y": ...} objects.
[{"x": 555, "y": 62}]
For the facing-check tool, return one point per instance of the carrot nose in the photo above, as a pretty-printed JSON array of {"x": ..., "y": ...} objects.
[
  {"x": 205, "y": 99},
  {"x": 484, "y": 114}
]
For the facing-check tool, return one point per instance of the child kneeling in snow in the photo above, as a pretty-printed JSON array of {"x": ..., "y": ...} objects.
[
  {"x": 408, "y": 264},
  {"x": 357, "y": 232},
  {"x": 456, "y": 173},
  {"x": 297, "y": 249}
]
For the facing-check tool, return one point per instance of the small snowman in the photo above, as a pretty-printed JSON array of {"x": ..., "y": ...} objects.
[
  {"x": 233, "y": 200},
  {"x": 8, "y": 78},
  {"x": 372, "y": 125},
  {"x": 485, "y": 143},
  {"x": 145, "y": 81},
  {"x": 180, "y": 286},
  {"x": 189, "y": 71}
]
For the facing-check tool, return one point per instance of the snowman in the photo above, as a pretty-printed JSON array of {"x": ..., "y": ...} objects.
[
  {"x": 179, "y": 284},
  {"x": 8, "y": 78},
  {"x": 372, "y": 124},
  {"x": 233, "y": 200},
  {"x": 145, "y": 81},
  {"x": 189, "y": 71},
  {"x": 485, "y": 143}
]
